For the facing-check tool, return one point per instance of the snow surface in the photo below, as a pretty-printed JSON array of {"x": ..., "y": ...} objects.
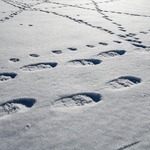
[{"x": 74, "y": 75}]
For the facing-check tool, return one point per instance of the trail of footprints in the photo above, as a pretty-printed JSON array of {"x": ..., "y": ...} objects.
[
  {"x": 77, "y": 99},
  {"x": 24, "y": 6},
  {"x": 68, "y": 101}
]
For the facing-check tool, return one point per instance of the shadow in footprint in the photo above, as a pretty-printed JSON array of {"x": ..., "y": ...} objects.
[
  {"x": 124, "y": 81},
  {"x": 112, "y": 53},
  {"x": 16, "y": 105},
  {"x": 7, "y": 76},
  {"x": 85, "y": 62},
  {"x": 78, "y": 99},
  {"x": 39, "y": 66}
]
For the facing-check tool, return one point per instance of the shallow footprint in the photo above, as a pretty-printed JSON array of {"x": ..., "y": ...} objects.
[
  {"x": 124, "y": 81},
  {"x": 39, "y": 66},
  {"x": 7, "y": 76},
  {"x": 16, "y": 105},
  {"x": 78, "y": 99},
  {"x": 112, "y": 53},
  {"x": 85, "y": 62}
]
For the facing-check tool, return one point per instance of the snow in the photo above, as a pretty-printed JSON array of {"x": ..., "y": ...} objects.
[{"x": 74, "y": 75}]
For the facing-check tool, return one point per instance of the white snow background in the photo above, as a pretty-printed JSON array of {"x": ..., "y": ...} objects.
[{"x": 74, "y": 75}]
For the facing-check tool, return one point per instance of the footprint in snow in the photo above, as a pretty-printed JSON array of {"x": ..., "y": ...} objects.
[
  {"x": 78, "y": 99},
  {"x": 7, "y": 76},
  {"x": 39, "y": 66},
  {"x": 84, "y": 62},
  {"x": 112, "y": 53},
  {"x": 16, "y": 105},
  {"x": 123, "y": 82}
]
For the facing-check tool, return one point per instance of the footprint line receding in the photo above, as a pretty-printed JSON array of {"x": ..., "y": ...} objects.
[
  {"x": 84, "y": 62},
  {"x": 16, "y": 105},
  {"x": 7, "y": 76},
  {"x": 123, "y": 82},
  {"x": 78, "y": 99},
  {"x": 39, "y": 66},
  {"x": 112, "y": 53}
]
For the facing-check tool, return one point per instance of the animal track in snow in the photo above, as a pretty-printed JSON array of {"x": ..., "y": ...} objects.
[
  {"x": 90, "y": 46},
  {"x": 7, "y": 76},
  {"x": 135, "y": 41},
  {"x": 143, "y": 32},
  {"x": 14, "y": 59},
  {"x": 79, "y": 99},
  {"x": 117, "y": 41},
  {"x": 34, "y": 55},
  {"x": 57, "y": 51},
  {"x": 122, "y": 36},
  {"x": 131, "y": 34},
  {"x": 112, "y": 53},
  {"x": 124, "y": 81},
  {"x": 103, "y": 43},
  {"x": 39, "y": 66},
  {"x": 85, "y": 62},
  {"x": 140, "y": 45},
  {"x": 16, "y": 105}
]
